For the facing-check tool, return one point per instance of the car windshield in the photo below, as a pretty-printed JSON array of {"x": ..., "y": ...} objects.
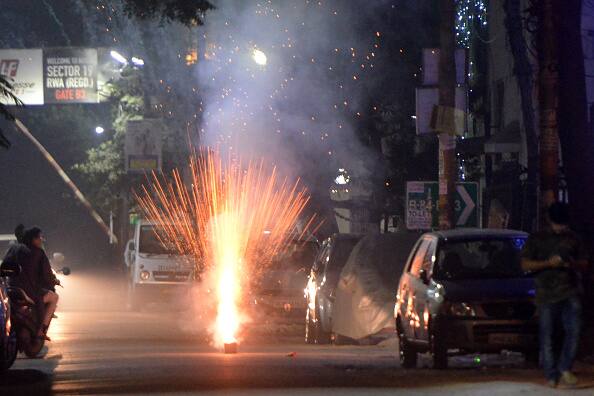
[
  {"x": 480, "y": 259},
  {"x": 149, "y": 243},
  {"x": 297, "y": 255}
]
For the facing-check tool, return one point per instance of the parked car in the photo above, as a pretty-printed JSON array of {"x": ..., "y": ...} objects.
[
  {"x": 465, "y": 290},
  {"x": 280, "y": 291},
  {"x": 321, "y": 286},
  {"x": 363, "y": 310}
]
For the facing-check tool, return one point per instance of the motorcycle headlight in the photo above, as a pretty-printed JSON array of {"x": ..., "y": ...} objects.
[
  {"x": 461, "y": 309},
  {"x": 145, "y": 275}
]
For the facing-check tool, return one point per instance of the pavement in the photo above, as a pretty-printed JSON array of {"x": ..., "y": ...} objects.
[{"x": 99, "y": 348}]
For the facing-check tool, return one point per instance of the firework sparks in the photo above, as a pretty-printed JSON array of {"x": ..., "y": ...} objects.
[{"x": 232, "y": 217}]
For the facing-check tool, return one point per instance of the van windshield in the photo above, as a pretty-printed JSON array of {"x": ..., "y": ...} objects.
[
  {"x": 480, "y": 259},
  {"x": 149, "y": 243}
]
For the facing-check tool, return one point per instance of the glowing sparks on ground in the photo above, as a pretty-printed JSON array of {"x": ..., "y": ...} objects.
[{"x": 232, "y": 217}]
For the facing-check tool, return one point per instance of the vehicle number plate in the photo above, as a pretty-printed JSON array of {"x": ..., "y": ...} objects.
[{"x": 505, "y": 339}]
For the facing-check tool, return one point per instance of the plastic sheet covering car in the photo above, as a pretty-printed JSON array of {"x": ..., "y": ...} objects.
[{"x": 367, "y": 287}]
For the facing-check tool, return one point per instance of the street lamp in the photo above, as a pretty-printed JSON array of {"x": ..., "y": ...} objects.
[
  {"x": 99, "y": 130},
  {"x": 118, "y": 57},
  {"x": 137, "y": 61},
  {"x": 259, "y": 57}
]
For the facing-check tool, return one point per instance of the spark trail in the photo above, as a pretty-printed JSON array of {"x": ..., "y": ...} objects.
[{"x": 232, "y": 217}]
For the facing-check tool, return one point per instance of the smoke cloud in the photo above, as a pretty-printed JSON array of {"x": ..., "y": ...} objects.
[{"x": 300, "y": 110}]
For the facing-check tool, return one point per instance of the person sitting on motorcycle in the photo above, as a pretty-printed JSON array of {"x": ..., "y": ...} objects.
[{"x": 38, "y": 280}]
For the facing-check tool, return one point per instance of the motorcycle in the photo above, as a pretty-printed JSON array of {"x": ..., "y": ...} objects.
[{"x": 24, "y": 318}]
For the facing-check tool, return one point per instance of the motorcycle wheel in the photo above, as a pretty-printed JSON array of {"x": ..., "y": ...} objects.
[{"x": 31, "y": 346}]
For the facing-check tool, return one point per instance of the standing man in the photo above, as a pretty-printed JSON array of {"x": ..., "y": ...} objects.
[{"x": 556, "y": 256}]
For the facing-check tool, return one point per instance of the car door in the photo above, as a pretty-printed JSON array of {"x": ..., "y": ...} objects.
[
  {"x": 408, "y": 291},
  {"x": 421, "y": 298}
]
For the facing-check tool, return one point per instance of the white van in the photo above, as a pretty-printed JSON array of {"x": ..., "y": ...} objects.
[{"x": 156, "y": 273}]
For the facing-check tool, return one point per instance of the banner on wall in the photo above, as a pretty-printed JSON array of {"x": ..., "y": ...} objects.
[{"x": 23, "y": 69}]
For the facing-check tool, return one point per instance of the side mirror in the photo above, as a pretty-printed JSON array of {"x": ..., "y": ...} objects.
[
  {"x": 424, "y": 276},
  {"x": 10, "y": 269},
  {"x": 57, "y": 258}
]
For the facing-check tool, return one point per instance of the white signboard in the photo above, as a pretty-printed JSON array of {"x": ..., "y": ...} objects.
[
  {"x": 143, "y": 145},
  {"x": 24, "y": 69},
  {"x": 426, "y": 99},
  {"x": 431, "y": 66}
]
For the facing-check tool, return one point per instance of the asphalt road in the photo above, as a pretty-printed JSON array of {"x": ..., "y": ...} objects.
[{"x": 98, "y": 348}]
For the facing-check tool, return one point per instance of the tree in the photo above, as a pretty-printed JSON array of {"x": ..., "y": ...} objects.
[
  {"x": 6, "y": 95},
  {"x": 187, "y": 12},
  {"x": 576, "y": 136},
  {"x": 524, "y": 75}
]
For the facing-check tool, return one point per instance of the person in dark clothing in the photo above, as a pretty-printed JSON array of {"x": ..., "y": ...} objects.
[
  {"x": 17, "y": 253},
  {"x": 556, "y": 256},
  {"x": 19, "y": 233},
  {"x": 37, "y": 278}
]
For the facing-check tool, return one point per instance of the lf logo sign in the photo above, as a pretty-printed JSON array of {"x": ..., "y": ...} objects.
[{"x": 9, "y": 67}]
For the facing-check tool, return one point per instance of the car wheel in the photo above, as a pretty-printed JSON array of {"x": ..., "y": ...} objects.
[
  {"x": 439, "y": 351},
  {"x": 9, "y": 352},
  {"x": 407, "y": 352},
  {"x": 309, "y": 328},
  {"x": 322, "y": 337}
]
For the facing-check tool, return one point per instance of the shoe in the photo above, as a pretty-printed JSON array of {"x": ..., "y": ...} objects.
[{"x": 568, "y": 380}]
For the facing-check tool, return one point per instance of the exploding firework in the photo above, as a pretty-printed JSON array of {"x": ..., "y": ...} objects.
[{"x": 232, "y": 217}]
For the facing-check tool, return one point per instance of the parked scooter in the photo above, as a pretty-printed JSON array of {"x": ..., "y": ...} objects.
[{"x": 24, "y": 317}]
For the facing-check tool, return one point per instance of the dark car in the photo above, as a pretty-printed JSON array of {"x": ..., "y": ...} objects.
[
  {"x": 280, "y": 291},
  {"x": 321, "y": 285},
  {"x": 465, "y": 290}
]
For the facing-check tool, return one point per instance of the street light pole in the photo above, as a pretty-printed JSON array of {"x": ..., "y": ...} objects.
[
  {"x": 77, "y": 193},
  {"x": 447, "y": 100}
]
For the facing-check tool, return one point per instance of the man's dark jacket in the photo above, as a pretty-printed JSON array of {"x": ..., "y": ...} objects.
[{"x": 36, "y": 276}]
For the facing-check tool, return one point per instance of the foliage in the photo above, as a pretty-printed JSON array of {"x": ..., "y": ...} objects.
[
  {"x": 187, "y": 12},
  {"x": 104, "y": 167},
  {"x": 6, "y": 95}
]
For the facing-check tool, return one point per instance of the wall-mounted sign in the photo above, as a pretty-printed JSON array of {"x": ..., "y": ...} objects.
[
  {"x": 422, "y": 205},
  {"x": 70, "y": 75},
  {"x": 143, "y": 145},
  {"x": 23, "y": 69}
]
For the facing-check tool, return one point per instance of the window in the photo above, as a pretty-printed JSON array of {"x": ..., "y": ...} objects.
[
  {"x": 480, "y": 259},
  {"x": 419, "y": 258},
  {"x": 429, "y": 257}
]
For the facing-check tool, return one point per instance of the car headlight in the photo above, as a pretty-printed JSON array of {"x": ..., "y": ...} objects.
[
  {"x": 461, "y": 309},
  {"x": 145, "y": 275}
]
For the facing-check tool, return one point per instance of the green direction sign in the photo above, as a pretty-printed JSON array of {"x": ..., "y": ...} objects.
[{"x": 422, "y": 205}]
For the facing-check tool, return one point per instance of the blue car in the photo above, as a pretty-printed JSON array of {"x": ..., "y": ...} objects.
[{"x": 464, "y": 290}]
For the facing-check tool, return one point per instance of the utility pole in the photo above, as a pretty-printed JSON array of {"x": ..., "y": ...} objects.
[
  {"x": 447, "y": 100},
  {"x": 548, "y": 100}
]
